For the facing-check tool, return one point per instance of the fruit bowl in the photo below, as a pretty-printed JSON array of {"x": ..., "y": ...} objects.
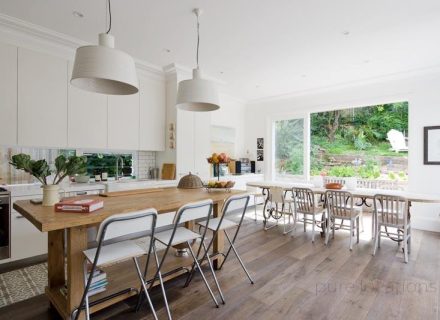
[
  {"x": 333, "y": 186},
  {"x": 219, "y": 186}
]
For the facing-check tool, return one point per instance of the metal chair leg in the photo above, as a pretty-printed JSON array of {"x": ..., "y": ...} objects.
[
  {"x": 238, "y": 257},
  {"x": 162, "y": 287},
  {"x": 213, "y": 273},
  {"x": 201, "y": 273},
  {"x": 144, "y": 287},
  {"x": 351, "y": 234}
]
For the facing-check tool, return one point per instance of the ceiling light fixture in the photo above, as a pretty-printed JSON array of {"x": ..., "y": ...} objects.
[
  {"x": 104, "y": 69},
  {"x": 197, "y": 94}
]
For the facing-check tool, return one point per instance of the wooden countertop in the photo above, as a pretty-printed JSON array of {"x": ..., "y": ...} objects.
[{"x": 165, "y": 200}]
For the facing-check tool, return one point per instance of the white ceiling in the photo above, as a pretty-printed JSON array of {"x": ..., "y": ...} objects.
[{"x": 260, "y": 48}]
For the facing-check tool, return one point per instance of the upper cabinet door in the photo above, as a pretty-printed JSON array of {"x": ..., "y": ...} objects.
[
  {"x": 202, "y": 143},
  {"x": 152, "y": 111},
  {"x": 123, "y": 122},
  {"x": 87, "y": 118},
  {"x": 8, "y": 94},
  {"x": 42, "y": 100}
]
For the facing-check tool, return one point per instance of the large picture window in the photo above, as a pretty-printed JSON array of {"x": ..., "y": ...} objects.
[{"x": 289, "y": 148}]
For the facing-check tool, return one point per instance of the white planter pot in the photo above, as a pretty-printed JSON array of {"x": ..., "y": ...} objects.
[{"x": 51, "y": 195}]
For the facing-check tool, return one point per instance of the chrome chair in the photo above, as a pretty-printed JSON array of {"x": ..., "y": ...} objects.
[
  {"x": 258, "y": 197},
  {"x": 392, "y": 212},
  {"x": 280, "y": 206},
  {"x": 113, "y": 228},
  {"x": 304, "y": 203},
  {"x": 181, "y": 235},
  {"x": 233, "y": 204},
  {"x": 339, "y": 205}
]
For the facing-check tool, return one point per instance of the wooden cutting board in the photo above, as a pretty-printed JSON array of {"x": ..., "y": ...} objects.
[
  {"x": 129, "y": 192},
  {"x": 168, "y": 171}
]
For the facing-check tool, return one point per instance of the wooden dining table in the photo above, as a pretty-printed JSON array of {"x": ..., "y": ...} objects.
[
  {"x": 67, "y": 239},
  {"x": 361, "y": 193}
]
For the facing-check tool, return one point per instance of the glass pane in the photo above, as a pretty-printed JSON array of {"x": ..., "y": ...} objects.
[{"x": 289, "y": 148}]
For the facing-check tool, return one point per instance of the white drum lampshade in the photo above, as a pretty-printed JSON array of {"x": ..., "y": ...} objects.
[
  {"x": 104, "y": 69},
  {"x": 197, "y": 94}
]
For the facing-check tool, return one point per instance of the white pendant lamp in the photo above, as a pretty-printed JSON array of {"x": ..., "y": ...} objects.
[
  {"x": 104, "y": 69},
  {"x": 197, "y": 94}
]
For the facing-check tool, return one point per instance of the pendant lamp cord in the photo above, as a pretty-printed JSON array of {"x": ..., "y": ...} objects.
[
  {"x": 198, "y": 40},
  {"x": 110, "y": 16}
]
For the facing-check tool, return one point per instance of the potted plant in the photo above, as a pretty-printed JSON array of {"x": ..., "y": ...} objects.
[{"x": 40, "y": 170}]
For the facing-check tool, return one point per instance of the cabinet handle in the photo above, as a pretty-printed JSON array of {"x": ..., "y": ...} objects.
[
  {"x": 81, "y": 193},
  {"x": 19, "y": 217}
]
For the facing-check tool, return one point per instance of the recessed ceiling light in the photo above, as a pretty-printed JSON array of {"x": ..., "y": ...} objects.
[
  {"x": 78, "y": 14},
  {"x": 221, "y": 72},
  {"x": 346, "y": 33},
  {"x": 366, "y": 61},
  {"x": 166, "y": 50},
  {"x": 303, "y": 76}
]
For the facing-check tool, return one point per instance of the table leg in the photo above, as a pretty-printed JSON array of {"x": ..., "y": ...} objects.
[
  {"x": 219, "y": 241},
  {"x": 76, "y": 244},
  {"x": 55, "y": 259}
]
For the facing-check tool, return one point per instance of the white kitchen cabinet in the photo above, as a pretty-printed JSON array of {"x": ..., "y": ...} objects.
[
  {"x": 26, "y": 240},
  {"x": 202, "y": 143},
  {"x": 42, "y": 99},
  {"x": 152, "y": 113},
  {"x": 87, "y": 118},
  {"x": 193, "y": 143},
  {"x": 123, "y": 122},
  {"x": 8, "y": 94},
  {"x": 184, "y": 143}
]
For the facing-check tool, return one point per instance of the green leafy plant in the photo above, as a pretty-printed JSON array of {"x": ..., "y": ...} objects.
[{"x": 40, "y": 169}]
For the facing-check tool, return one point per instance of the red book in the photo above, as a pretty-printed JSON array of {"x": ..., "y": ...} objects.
[{"x": 81, "y": 205}]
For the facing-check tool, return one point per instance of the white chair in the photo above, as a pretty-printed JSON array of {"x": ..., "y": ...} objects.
[
  {"x": 116, "y": 227},
  {"x": 339, "y": 205},
  {"x": 181, "y": 235},
  {"x": 391, "y": 212},
  {"x": 397, "y": 141},
  {"x": 258, "y": 197},
  {"x": 304, "y": 203},
  {"x": 233, "y": 204},
  {"x": 280, "y": 206}
]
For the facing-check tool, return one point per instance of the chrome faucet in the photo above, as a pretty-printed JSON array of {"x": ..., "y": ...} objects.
[{"x": 117, "y": 166}]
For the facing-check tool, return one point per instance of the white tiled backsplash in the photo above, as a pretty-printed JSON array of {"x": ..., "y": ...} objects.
[{"x": 142, "y": 162}]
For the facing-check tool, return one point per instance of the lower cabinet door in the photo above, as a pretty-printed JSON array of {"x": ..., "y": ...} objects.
[{"x": 26, "y": 240}]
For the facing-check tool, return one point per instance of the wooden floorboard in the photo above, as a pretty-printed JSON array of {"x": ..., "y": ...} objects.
[{"x": 296, "y": 279}]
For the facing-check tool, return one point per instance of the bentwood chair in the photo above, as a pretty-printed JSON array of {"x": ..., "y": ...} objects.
[
  {"x": 181, "y": 235},
  {"x": 391, "y": 212},
  {"x": 280, "y": 206},
  {"x": 339, "y": 205},
  {"x": 111, "y": 229},
  {"x": 232, "y": 205},
  {"x": 304, "y": 203}
]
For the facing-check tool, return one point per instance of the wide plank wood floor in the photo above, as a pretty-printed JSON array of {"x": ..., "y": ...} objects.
[{"x": 295, "y": 279}]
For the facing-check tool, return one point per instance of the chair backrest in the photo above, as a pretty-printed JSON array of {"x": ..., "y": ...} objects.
[
  {"x": 396, "y": 139},
  {"x": 339, "y": 203},
  {"x": 277, "y": 195},
  {"x": 390, "y": 209},
  {"x": 124, "y": 224},
  {"x": 194, "y": 211},
  {"x": 304, "y": 200}
]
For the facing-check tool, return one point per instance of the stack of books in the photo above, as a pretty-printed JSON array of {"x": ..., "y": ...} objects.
[
  {"x": 98, "y": 285},
  {"x": 99, "y": 282}
]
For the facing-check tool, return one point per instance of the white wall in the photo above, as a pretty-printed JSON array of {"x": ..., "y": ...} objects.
[
  {"x": 421, "y": 91},
  {"x": 232, "y": 113}
]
